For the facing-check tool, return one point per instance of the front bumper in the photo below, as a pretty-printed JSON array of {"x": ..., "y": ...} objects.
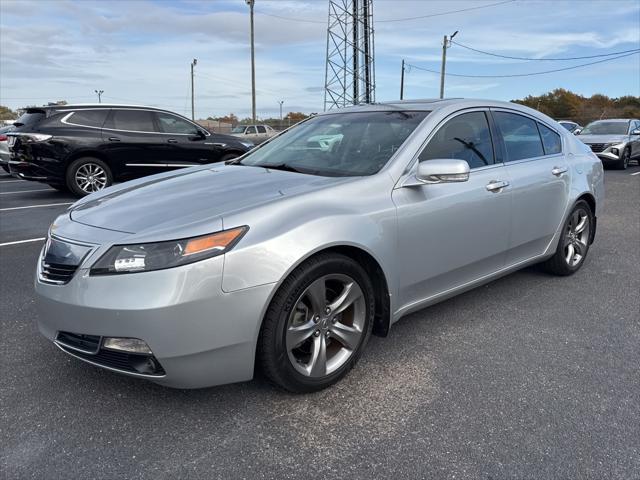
[{"x": 200, "y": 335}]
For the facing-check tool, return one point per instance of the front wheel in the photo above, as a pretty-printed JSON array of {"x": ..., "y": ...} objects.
[
  {"x": 623, "y": 163},
  {"x": 88, "y": 175},
  {"x": 317, "y": 324},
  {"x": 573, "y": 245}
]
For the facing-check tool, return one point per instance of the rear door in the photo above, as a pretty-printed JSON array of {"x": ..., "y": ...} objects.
[
  {"x": 540, "y": 178},
  {"x": 186, "y": 142},
  {"x": 132, "y": 142},
  {"x": 451, "y": 234}
]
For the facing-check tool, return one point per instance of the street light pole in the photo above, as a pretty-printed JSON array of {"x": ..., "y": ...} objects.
[
  {"x": 281, "y": 102},
  {"x": 402, "y": 81},
  {"x": 99, "y": 93},
  {"x": 193, "y": 108},
  {"x": 445, "y": 44},
  {"x": 253, "y": 65}
]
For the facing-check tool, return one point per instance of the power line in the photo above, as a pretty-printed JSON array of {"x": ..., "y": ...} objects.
[
  {"x": 634, "y": 50},
  {"x": 525, "y": 74},
  {"x": 307, "y": 20},
  {"x": 446, "y": 13}
]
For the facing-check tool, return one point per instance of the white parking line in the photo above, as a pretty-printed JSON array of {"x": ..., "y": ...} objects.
[
  {"x": 17, "y": 242},
  {"x": 28, "y": 191},
  {"x": 34, "y": 206},
  {"x": 632, "y": 174}
]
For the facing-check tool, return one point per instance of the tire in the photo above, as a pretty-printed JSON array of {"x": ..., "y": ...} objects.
[
  {"x": 296, "y": 313},
  {"x": 229, "y": 156},
  {"x": 6, "y": 168},
  {"x": 89, "y": 166},
  {"x": 623, "y": 163},
  {"x": 573, "y": 245}
]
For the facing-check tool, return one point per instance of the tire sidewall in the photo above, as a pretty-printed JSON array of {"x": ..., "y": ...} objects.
[
  {"x": 584, "y": 206},
  {"x": 73, "y": 168},
  {"x": 330, "y": 265}
]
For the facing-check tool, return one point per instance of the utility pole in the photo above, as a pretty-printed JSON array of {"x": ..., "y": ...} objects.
[
  {"x": 193, "y": 108},
  {"x": 281, "y": 102},
  {"x": 402, "y": 81},
  {"x": 445, "y": 44},
  {"x": 253, "y": 65},
  {"x": 99, "y": 93}
]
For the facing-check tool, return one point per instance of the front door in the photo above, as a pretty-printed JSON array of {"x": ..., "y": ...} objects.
[
  {"x": 451, "y": 234},
  {"x": 187, "y": 144}
]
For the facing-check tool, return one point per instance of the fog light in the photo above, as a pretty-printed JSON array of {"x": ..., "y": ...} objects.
[
  {"x": 133, "y": 345},
  {"x": 615, "y": 151}
]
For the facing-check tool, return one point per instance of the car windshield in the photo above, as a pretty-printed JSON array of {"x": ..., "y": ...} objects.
[
  {"x": 341, "y": 144},
  {"x": 238, "y": 130},
  {"x": 605, "y": 128}
]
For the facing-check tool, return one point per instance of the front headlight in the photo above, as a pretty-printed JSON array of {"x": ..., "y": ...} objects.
[{"x": 146, "y": 257}]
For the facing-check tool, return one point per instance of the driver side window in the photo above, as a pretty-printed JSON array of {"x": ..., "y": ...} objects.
[{"x": 465, "y": 137}]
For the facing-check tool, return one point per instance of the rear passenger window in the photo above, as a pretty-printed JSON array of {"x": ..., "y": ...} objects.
[
  {"x": 465, "y": 137},
  {"x": 89, "y": 118},
  {"x": 261, "y": 129},
  {"x": 520, "y": 136},
  {"x": 550, "y": 140},
  {"x": 132, "y": 120}
]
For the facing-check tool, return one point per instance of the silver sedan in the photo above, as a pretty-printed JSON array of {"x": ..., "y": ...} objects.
[{"x": 290, "y": 257}]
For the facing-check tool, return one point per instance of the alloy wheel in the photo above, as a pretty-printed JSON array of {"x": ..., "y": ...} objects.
[
  {"x": 576, "y": 237},
  {"x": 326, "y": 325},
  {"x": 90, "y": 177}
]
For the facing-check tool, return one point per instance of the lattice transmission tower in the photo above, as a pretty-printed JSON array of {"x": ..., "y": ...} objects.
[{"x": 350, "y": 67}]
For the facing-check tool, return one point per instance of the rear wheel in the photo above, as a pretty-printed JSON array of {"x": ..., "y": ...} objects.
[
  {"x": 88, "y": 175},
  {"x": 573, "y": 245},
  {"x": 317, "y": 324}
]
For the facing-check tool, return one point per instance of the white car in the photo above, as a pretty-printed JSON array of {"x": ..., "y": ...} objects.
[{"x": 255, "y": 133}]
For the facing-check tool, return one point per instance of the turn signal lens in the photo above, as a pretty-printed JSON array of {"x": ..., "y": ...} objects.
[{"x": 217, "y": 241}]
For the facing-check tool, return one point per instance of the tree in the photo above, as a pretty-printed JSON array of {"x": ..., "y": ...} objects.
[
  {"x": 295, "y": 116},
  {"x": 563, "y": 104},
  {"x": 231, "y": 118},
  {"x": 7, "y": 114}
]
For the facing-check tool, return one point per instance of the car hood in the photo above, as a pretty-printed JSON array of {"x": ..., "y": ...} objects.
[
  {"x": 191, "y": 201},
  {"x": 602, "y": 138}
]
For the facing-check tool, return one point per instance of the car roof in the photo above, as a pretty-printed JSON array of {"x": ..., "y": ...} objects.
[
  {"x": 617, "y": 120},
  {"x": 428, "y": 104}
]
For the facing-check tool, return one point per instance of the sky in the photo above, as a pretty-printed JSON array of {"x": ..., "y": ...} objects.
[{"x": 139, "y": 51}]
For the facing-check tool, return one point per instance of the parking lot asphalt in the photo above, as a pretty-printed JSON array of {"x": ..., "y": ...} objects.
[{"x": 529, "y": 377}]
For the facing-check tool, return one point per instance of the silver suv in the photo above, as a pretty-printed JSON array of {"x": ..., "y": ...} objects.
[{"x": 614, "y": 141}]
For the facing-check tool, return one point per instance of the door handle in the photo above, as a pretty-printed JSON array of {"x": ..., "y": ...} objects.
[
  {"x": 172, "y": 140},
  {"x": 557, "y": 171},
  {"x": 113, "y": 139},
  {"x": 496, "y": 186}
]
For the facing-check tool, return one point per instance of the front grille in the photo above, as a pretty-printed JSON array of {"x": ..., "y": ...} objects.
[
  {"x": 121, "y": 361},
  {"x": 78, "y": 341},
  {"x": 597, "y": 147},
  {"x": 57, "y": 272}
]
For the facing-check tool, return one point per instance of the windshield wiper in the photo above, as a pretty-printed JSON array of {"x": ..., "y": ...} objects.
[{"x": 281, "y": 166}]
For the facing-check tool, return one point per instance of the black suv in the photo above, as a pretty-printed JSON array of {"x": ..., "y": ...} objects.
[{"x": 85, "y": 148}]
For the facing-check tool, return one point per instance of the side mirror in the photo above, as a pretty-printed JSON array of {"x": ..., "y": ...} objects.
[
  {"x": 577, "y": 131},
  {"x": 636, "y": 131},
  {"x": 441, "y": 171}
]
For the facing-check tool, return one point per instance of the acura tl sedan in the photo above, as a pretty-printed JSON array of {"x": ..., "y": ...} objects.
[{"x": 288, "y": 258}]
